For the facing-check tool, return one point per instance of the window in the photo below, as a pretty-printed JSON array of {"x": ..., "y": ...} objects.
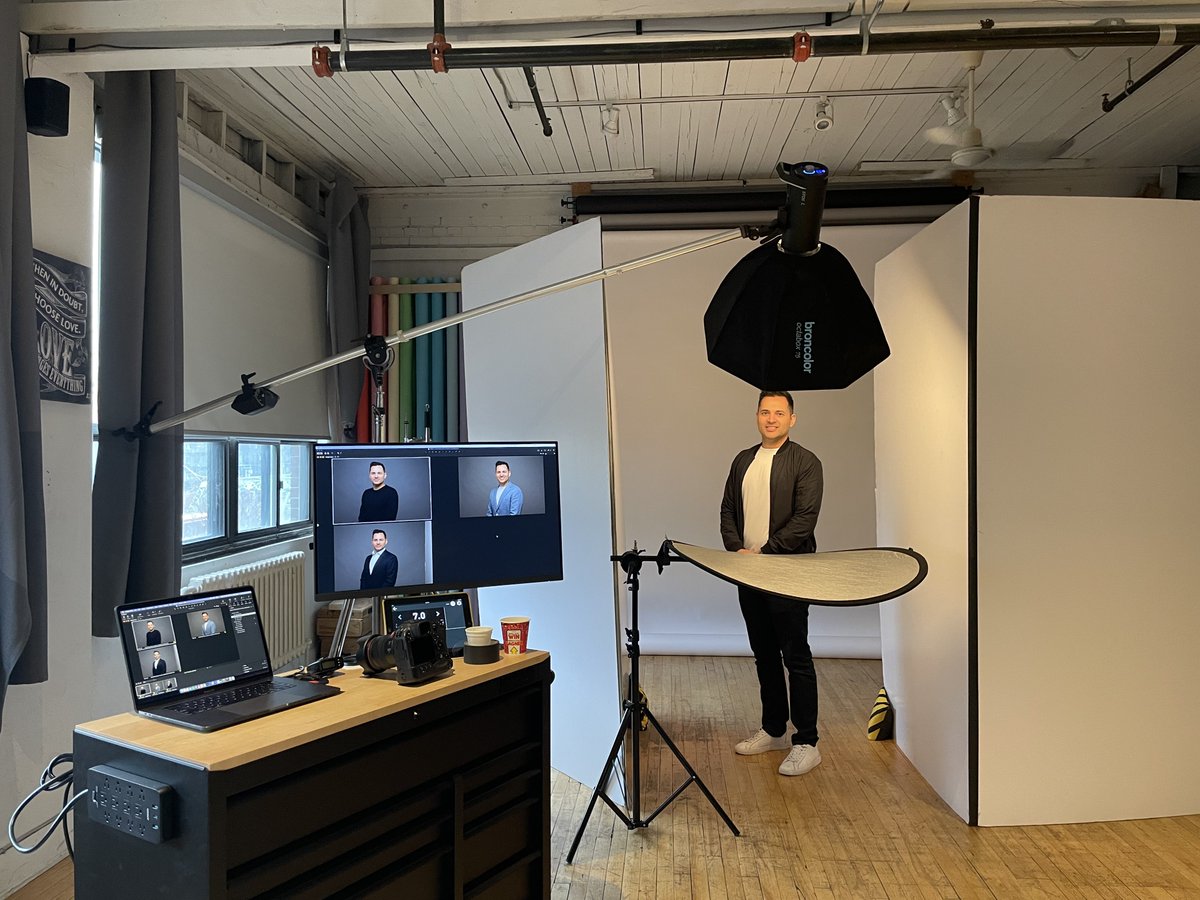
[{"x": 243, "y": 492}]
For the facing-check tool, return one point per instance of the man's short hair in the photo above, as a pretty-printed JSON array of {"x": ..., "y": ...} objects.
[
  {"x": 501, "y": 462},
  {"x": 765, "y": 394},
  {"x": 376, "y": 463},
  {"x": 379, "y": 531}
]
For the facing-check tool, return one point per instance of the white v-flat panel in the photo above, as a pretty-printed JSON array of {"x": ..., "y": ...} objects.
[{"x": 537, "y": 371}]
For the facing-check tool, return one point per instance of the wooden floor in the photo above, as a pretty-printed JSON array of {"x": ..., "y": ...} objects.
[{"x": 863, "y": 824}]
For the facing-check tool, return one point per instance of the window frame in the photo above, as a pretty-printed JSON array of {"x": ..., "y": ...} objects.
[{"x": 233, "y": 540}]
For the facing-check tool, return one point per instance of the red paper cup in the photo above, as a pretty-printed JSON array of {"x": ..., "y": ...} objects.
[{"x": 514, "y": 634}]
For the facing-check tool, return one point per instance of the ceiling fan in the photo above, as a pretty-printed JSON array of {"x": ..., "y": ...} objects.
[{"x": 968, "y": 151}]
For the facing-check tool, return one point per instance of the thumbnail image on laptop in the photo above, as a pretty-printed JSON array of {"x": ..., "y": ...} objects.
[{"x": 201, "y": 661}]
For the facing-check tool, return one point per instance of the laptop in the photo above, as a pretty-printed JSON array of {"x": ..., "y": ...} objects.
[{"x": 201, "y": 661}]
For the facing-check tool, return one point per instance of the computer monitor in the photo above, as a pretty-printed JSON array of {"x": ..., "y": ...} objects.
[{"x": 394, "y": 519}]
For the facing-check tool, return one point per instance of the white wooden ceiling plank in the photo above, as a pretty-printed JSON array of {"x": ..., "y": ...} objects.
[
  {"x": 1064, "y": 105},
  {"x": 401, "y": 139},
  {"x": 706, "y": 166},
  {"x": 805, "y": 143},
  {"x": 572, "y": 120},
  {"x": 406, "y": 139},
  {"x": 1149, "y": 124},
  {"x": 422, "y": 135},
  {"x": 487, "y": 112},
  {"x": 698, "y": 121},
  {"x": 238, "y": 92},
  {"x": 731, "y": 122},
  {"x": 874, "y": 120},
  {"x": 676, "y": 79},
  {"x": 583, "y": 79},
  {"x": 540, "y": 154},
  {"x": 761, "y": 155},
  {"x": 442, "y": 90},
  {"x": 448, "y": 123},
  {"x": 787, "y": 123},
  {"x": 878, "y": 116},
  {"x": 612, "y": 83},
  {"x": 561, "y": 138},
  {"x": 333, "y": 124},
  {"x": 1094, "y": 140},
  {"x": 650, "y": 79}
]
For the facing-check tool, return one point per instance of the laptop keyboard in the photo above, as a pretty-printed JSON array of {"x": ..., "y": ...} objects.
[{"x": 224, "y": 698}]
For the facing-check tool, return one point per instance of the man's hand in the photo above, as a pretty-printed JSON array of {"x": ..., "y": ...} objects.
[{"x": 744, "y": 550}]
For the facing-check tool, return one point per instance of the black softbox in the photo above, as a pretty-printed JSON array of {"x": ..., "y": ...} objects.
[
  {"x": 792, "y": 315},
  {"x": 787, "y": 322}
]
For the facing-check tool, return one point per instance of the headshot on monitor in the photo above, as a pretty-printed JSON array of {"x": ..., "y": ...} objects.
[{"x": 392, "y": 519}]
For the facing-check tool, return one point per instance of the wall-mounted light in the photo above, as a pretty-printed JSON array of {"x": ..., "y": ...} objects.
[{"x": 612, "y": 120}]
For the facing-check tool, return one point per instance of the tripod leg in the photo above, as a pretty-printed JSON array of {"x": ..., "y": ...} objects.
[
  {"x": 692, "y": 772},
  {"x": 598, "y": 793}
]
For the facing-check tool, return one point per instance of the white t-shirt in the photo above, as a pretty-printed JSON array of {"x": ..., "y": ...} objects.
[{"x": 756, "y": 500}]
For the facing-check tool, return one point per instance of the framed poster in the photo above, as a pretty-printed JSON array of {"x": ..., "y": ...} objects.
[{"x": 61, "y": 290}]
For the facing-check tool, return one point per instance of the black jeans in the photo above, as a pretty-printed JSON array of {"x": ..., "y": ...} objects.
[{"x": 778, "y": 631}]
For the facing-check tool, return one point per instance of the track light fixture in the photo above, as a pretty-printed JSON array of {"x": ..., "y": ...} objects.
[
  {"x": 612, "y": 120},
  {"x": 823, "y": 120}
]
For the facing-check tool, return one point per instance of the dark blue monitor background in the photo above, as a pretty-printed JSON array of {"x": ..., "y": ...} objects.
[{"x": 447, "y": 542}]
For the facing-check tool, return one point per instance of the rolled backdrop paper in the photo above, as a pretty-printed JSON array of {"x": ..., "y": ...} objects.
[{"x": 833, "y": 578}]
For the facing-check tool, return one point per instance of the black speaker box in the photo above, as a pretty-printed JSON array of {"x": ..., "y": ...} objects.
[{"x": 47, "y": 107}]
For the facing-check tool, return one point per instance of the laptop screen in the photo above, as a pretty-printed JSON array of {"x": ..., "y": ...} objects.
[{"x": 178, "y": 647}]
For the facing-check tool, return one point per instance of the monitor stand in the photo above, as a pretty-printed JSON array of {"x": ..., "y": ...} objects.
[{"x": 327, "y": 665}]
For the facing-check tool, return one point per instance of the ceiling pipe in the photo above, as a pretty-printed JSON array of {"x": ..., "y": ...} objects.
[
  {"x": 1109, "y": 105},
  {"x": 798, "y": 47}
]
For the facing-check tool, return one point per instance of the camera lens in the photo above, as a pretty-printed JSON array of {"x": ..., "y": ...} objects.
[{"x": 376, "y": 653}]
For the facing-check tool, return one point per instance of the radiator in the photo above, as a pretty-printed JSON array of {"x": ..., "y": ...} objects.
[{"x": 278, "y": 583}]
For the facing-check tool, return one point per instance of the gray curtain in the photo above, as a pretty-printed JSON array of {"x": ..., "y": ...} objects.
[
  {"x": 22, "y": 511},
  {"x": 349, "y": 238},
  {"x": 137, "y": 496}
]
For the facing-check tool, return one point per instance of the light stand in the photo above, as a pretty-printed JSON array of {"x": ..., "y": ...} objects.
[{"x": 637, "y": 709}]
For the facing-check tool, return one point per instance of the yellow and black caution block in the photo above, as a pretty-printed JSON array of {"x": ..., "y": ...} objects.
[{"x": 880, "y": 725}]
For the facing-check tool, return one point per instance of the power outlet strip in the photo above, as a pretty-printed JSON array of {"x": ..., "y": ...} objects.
[{"x": 130, "y": 803}]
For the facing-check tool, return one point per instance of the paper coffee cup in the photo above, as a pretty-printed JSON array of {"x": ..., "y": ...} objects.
[
  {"x": 479, "y": 635},
  {"x": 514, "y": 634}
]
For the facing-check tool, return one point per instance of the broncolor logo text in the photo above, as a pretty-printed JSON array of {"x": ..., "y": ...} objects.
[{"x": 804, "y": 345}]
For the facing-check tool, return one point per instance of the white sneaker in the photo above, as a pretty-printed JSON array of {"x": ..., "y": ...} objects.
[
  {"x": 803, "y": 758},
  {"x": 761, "y": 742}
]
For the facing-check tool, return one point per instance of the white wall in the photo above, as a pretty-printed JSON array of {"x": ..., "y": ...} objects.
[
  {"x": 252, "y": 302},
  {"x": 679, "y": 421},
  {"x": 921, "y": 473},
  {"x": 1088, "y": 493},
  {"x": 39, "y": 719},
  {"x": 536, "y": 372}
]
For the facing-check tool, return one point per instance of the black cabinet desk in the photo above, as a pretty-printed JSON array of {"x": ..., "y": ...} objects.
[{"x": 440, "y": 790}]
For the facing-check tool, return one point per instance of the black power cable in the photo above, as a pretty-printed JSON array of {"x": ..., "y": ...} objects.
[{"x": 50, "y": 781}]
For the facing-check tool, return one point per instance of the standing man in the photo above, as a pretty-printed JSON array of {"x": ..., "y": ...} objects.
[
  {"x": 506, "y": 499},
  {"x": 771, "y": 503},
  {"x": 153, "y": 635},
  {"x": 381, "y": 567},
  {"x": 159, "y": 667},
  {"x": 209, "y": 627},
  {"x": 380, "y": 501}
]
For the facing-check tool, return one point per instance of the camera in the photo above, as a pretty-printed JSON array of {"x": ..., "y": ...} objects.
[{"x": 417, "y": 650}]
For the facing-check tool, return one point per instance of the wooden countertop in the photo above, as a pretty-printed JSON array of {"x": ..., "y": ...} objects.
[{"x": 362, "y": 700}]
